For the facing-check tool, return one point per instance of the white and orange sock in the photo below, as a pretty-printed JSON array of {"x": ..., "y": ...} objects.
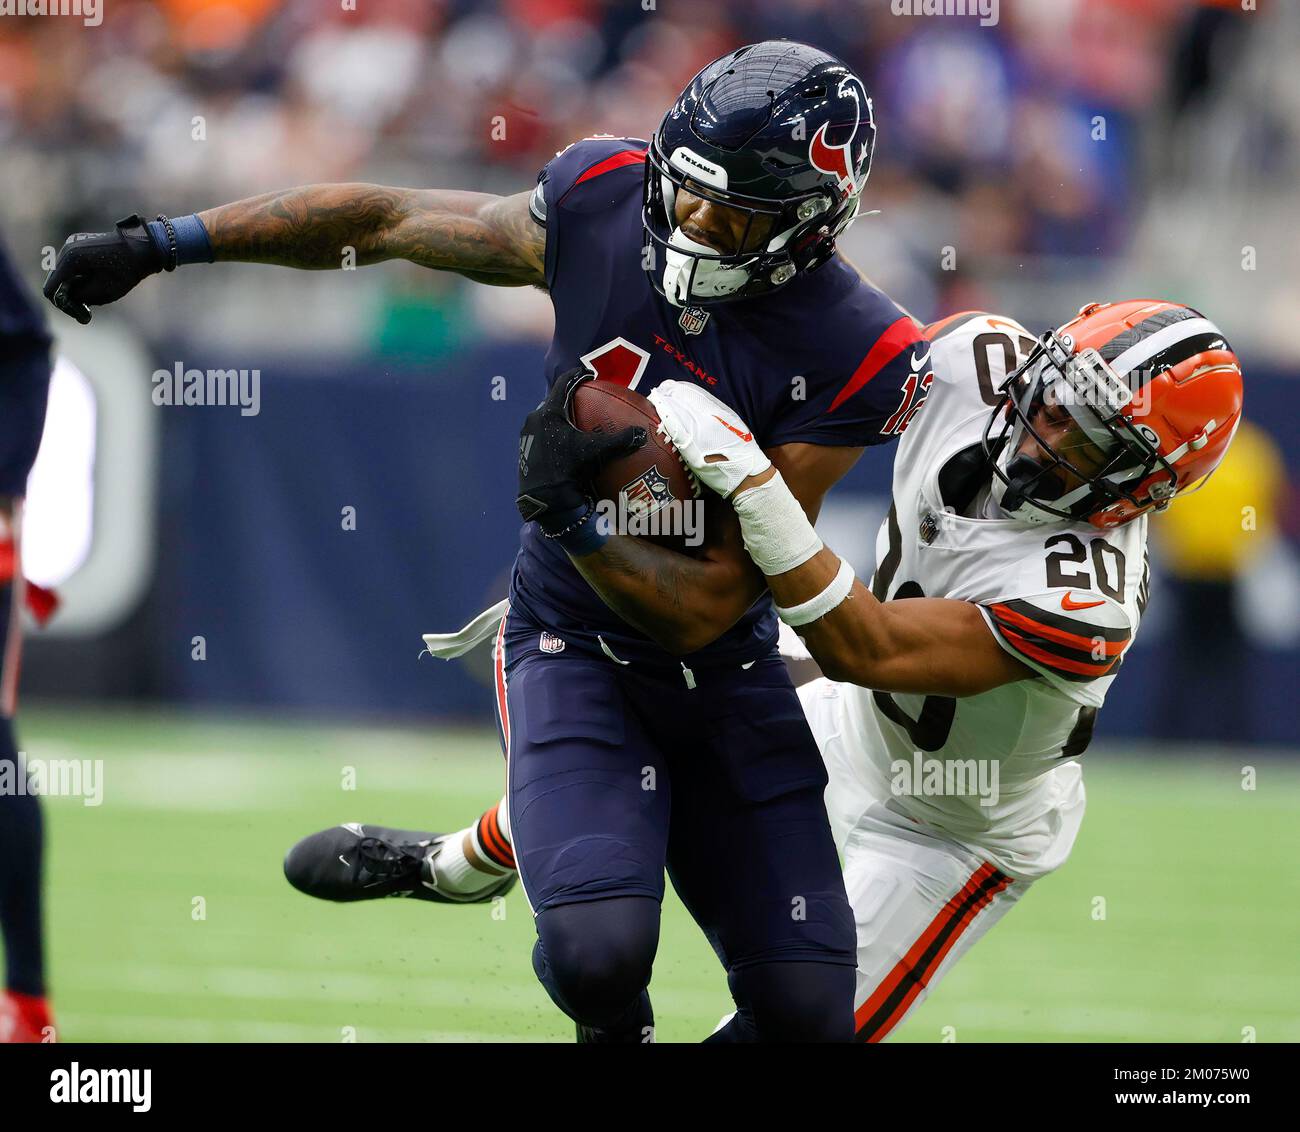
[{"x": 478, "y": 856}]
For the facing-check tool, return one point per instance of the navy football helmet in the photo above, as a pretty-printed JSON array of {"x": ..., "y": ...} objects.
[{"x": 779, "y": 131}]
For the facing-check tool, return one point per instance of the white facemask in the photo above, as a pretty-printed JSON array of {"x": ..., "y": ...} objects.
[{"x": 711, "y": 280}]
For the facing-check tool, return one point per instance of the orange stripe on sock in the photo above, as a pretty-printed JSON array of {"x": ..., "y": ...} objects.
[
  {"x": 495, "y": 846},
  {"x": 494, "y": 819}
]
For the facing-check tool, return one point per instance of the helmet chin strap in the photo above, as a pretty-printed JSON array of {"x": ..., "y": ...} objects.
[{"x": 710, "y": 280}]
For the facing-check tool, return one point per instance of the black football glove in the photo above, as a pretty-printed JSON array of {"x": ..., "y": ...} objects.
[
  {"x": 95, "y": 268},
  {"x": 557, "y": 460}
]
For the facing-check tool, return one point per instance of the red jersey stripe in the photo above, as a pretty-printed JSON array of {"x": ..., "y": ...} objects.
[
  {"x": 898, "y": 337},
  {"x": 616, "y": 161}
]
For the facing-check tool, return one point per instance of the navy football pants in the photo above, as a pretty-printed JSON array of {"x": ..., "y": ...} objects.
[
  {"x": 24, "y": 390},
  {"x": 21, "y": 832},
  {"x": 617, "y": 772}
]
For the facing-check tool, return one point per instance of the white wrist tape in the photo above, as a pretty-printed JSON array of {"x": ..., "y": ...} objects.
[
  {"x": 777, "y": 533},
  {"x": 823, "y": 603}
]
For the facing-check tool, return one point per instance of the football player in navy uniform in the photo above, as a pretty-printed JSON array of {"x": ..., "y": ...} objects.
[
  {"x": 647, "y": 719},
  {"x": 24, "y": 388}
]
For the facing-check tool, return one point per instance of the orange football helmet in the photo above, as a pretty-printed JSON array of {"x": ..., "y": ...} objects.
[{"x": 1155, "y": 392}]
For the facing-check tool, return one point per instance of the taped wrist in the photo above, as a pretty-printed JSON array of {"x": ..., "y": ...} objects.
[
  {"x": 823, "y": 603},
  {"x": 777, "y": 533}
]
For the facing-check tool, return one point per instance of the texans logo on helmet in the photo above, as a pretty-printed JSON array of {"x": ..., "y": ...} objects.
[{"x": 838, "y": 159}]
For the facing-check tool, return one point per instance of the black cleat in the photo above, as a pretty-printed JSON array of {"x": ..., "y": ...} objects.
[{"x": 367, "y": 862}]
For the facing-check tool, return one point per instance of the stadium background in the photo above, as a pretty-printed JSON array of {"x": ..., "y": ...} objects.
[{"x": 1070, "y": 151}]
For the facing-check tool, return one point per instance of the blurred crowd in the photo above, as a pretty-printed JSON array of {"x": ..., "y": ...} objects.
[{"x": 1015, "y": 162}]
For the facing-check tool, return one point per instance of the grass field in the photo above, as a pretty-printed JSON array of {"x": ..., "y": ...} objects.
[{"x": 1200, "y": 937}]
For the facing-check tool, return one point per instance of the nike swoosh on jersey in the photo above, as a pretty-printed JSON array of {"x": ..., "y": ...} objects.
[{"x": 1067, "y": 602}]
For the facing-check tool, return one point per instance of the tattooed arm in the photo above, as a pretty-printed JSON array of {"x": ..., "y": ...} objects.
[
  {"x": 681, "y": 601},
  {"x": 685, "y": 603},
  {"x": 486, "y": 238}
]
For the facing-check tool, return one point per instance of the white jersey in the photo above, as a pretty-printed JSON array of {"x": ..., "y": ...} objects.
[{"x": 996, "y": 771}]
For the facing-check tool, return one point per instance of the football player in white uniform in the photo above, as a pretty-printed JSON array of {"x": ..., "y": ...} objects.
[{"x": 961, "y": 687}]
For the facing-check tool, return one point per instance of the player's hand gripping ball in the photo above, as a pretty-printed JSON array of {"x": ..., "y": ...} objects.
[
  {"x": 557, "y": 460},
  {"x": 709, "y": 436}
]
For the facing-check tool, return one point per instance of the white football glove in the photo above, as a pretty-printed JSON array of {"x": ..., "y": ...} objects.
[{"x": 708, "y": 435}]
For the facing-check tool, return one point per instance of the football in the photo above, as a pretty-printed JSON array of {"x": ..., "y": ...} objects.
[{"x": 651, "y": 493}]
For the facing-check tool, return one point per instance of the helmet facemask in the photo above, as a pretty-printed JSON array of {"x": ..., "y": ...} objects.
[
  {"x": 688, "y": 273},
  {"x": 1099, "y": 454}
]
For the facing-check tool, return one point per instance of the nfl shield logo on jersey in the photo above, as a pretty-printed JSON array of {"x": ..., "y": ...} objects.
[
  {"x": 929, "y": 527},
  {"x": 549, "y": 642},
  {"x": 693, "y": 319},
  {"x": 646, "y": 494}
]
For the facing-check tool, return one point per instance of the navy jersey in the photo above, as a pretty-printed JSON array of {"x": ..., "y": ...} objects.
[
  {"x": 24, "y": 378},
  {"x": 22, "y": 322},
  {"x": 826, "y": 359}
]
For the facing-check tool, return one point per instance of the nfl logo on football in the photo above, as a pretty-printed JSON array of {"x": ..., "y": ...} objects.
[
  {"x": 646, "y": 506},
  {"x": 646, "y": 494},
  {"x": 693, "y": 320}
]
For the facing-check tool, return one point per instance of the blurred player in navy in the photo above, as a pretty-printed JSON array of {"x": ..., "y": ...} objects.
[
  {"x": 24, "y": 386},
  {"x": 646, "y": 717}
]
